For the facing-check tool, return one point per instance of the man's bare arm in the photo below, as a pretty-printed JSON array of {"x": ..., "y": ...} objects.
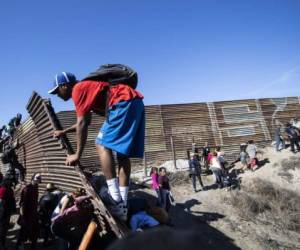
[
  {"x": 59, "y": 133},
  {"x": 81, "y": 132},
  {"x": 81, "y": 135}
]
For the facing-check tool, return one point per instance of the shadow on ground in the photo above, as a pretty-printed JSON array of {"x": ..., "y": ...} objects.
[{"x": 183, "y": 219}]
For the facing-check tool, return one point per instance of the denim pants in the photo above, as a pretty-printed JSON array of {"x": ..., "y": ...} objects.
[
  {"x": 194, "y": 180},
  {"x": 218, "y": 174},
  {"x": 158, "y": 193},
  {"x": 165, "y": 199},
  {"x": 279, "y": 141}
]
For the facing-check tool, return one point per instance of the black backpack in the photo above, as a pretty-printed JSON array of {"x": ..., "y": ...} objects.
[{"x": 114, "y": 74}]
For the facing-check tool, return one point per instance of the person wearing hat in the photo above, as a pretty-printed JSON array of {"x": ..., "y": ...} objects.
[{"x": 122, "y": 132}]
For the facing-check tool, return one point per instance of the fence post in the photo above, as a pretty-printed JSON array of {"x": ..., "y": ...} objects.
[
  {"x": 145, "y": 165},
  {"x": 173, "y": 151}
]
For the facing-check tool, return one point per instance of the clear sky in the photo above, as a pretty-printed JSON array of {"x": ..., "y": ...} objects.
[{"x": 184, "y": 51}]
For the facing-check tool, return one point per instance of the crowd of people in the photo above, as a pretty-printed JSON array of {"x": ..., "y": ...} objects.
[
  {"x": 109, "y": 91},
  {"x": 55, "y": 214}
]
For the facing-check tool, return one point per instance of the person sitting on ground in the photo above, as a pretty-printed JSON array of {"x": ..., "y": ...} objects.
[
  {"x": 164, "y": 186},
  {"x": 216, "y": 168},
  {"x": 195, "y": 171},
  {"x": 139, "y": 218},
  {"x": 252, "y": 151},
  {"x": 7, "y": 208},
  {"x": 122, "y": 132},
  {"x": 154, "y": 184},
  {"x": 47, "y": 204},
  {"x": 73, "y": 222},
  {"x": 28, "y": 219}
]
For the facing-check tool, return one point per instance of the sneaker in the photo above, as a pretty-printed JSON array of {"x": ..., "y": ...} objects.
[{"x": 119, "y": 210}]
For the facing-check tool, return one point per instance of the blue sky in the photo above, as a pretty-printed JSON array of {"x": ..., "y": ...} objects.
[{"x": 184, "y": 51}]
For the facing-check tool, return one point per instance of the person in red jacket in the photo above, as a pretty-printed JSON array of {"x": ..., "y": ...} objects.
[{"x": 123, "y": 131}]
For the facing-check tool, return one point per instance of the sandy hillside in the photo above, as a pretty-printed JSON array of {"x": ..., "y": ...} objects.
[{"x": 254, "y": 217}]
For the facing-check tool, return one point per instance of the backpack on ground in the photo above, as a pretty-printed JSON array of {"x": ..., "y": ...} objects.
[{"x": 114, "y": 74}]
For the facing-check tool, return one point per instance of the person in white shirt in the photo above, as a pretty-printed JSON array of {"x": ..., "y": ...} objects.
[{"x": 216, "y": 168}]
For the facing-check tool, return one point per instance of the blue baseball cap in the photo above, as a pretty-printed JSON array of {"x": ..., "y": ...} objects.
[{"x": 62, "y": 78}]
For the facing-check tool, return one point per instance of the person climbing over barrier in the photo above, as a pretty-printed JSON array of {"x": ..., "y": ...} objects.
[{"x": 111, "y": 91}]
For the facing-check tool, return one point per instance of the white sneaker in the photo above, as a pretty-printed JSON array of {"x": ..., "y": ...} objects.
[{"x": 119, "y": 210}]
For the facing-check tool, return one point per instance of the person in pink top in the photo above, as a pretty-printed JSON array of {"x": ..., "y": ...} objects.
[
  {"x": 73, "y": 222},
  {"x": 155, "y": 184}
]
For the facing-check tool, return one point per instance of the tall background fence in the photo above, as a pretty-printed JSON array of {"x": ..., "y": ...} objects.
[{"x": 170, "y": 131}]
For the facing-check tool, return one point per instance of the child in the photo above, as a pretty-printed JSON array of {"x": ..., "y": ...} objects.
[
  {"x": 252, "y": 150},
  {"x": 155, "y": 184},
  {"x": 164, "y": 186},
  {"x": 216, "y": 168},
  {"x": 244, "y": 157}
]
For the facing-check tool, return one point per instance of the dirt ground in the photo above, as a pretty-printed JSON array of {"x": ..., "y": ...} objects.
[
  {"x": 12, "y": 238},
  {"x": 218, "y": 220},
  {"x": 209, "y": 212}
]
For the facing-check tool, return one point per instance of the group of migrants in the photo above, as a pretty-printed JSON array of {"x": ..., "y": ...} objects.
[
  {"x": 207, "y": 160},
  {"x": 12, "y": 168},
  {"x": 54, "y": 214},
  {"x": 110, "y": 91}
]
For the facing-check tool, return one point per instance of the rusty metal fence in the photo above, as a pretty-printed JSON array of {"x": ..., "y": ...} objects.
[{"x": 170, "y": 131}]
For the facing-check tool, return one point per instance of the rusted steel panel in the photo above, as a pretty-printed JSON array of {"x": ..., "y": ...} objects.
[{"x": 53, "y": 167}]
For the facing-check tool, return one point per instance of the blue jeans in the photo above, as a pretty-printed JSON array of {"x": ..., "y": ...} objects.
[
  {"x": 278, "y": 142},
  {"x": 158, "y": 197}
]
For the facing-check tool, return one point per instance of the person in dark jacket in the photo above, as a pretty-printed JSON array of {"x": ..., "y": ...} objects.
[
  {"x": 195, "y": 171},
  {"x": 47, "y": 204},
  {"x": 8, "y": 206},
  {"x": 293, "y": 136},
  {"x": 14, "y": 123},
  {"x": 28, "y": 219},
  {"x": 164, "y": 187},
  {"x": 10, "y": 158}
]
